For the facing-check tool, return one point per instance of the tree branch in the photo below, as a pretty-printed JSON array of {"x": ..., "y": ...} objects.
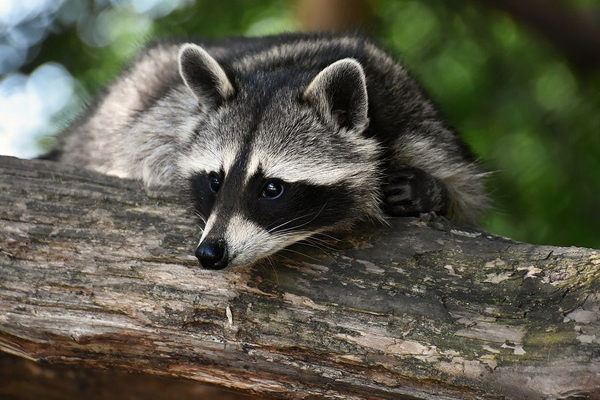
[
  {"x": 95, "y": 272},
  {"x": 574, "y": 32},
  {"x": 334, "y": 15}
]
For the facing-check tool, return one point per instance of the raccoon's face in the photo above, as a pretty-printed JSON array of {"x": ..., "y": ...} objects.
[{"x": 270, "y": 165}]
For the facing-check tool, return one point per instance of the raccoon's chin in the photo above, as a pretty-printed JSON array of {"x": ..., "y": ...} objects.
[{"x": 259, "y": 251}]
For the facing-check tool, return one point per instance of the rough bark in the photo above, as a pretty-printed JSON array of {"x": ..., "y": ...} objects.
[{"x": 97, "y": 272}]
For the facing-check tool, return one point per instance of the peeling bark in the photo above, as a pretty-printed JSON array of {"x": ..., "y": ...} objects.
[{"x": 97, "y": 272}]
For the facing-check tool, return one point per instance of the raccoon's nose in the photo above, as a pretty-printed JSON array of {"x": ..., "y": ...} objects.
[{"x": 212, "y": 255}]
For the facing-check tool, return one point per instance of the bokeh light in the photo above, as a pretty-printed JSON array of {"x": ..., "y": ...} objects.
[{"x": 29, "y": 104}]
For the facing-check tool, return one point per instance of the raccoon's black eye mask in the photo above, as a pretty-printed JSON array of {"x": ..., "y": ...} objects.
[{"x": 272, "y": 188}]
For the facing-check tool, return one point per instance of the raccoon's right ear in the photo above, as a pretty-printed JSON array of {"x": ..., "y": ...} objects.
[{"x": 203, "y": 75}]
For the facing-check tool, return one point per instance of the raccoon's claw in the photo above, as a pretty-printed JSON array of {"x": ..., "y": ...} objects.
[{"x": 411, "y": 191}]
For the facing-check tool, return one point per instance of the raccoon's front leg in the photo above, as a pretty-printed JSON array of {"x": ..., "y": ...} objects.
[{"x": 410, "y": 191}]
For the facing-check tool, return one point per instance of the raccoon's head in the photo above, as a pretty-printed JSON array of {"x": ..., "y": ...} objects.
[{"x": 277, "y": 155}]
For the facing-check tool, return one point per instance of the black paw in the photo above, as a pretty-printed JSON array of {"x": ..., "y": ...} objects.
[{"x": 410, "y": 191}]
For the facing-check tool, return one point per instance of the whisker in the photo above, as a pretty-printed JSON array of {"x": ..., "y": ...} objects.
[
  {"x": 321, "y": 242},
  {"x": 262, "y": 267},
  {"x": 302, "y": 254},
  {"x": 287, "y": 222},
  {"x": 301, "y": 225},
  {"x": 305, "y": 242},
  {"x": 270, "y": 260},
  {"x": 199, "y": 215},
  {"x": 327, "y": 236},
  {"x": 293, "y": 262}
]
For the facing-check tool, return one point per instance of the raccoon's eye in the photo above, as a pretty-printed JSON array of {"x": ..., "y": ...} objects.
[
  {"x": 214, "y": 182},
  {"x": 272, "y": 190}
]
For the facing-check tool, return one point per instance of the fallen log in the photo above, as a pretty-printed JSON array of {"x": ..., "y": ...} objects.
[{"x": 97, "y": 271}]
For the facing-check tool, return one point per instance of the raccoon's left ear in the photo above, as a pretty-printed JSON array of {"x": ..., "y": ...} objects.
[
  {"x": 203, "y": 75},
  {"x": 340, "y": 94}
]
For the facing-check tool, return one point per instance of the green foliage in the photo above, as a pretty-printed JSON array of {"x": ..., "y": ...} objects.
[
  {"x": 520, "y": 105},
  {"x": 527, "y": 114}
]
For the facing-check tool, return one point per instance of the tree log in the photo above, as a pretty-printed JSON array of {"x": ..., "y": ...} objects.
[{"x": 97, "y": 271}]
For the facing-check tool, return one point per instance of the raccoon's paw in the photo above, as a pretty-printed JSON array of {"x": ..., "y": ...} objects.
[{"x": 410, "y": 191}]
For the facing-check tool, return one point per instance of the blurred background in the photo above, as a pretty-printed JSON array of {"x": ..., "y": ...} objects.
[{"x": 520, "y": 80}]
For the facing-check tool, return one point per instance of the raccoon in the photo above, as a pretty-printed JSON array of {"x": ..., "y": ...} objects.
[{"x": 278, "y": 138}]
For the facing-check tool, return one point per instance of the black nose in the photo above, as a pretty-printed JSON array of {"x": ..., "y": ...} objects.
[{"x": 212, "y": 254}]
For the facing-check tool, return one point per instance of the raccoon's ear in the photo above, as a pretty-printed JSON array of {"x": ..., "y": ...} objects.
[
  {"x": 203, "y": 75},
  {"x": 340, "y": 93}
]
